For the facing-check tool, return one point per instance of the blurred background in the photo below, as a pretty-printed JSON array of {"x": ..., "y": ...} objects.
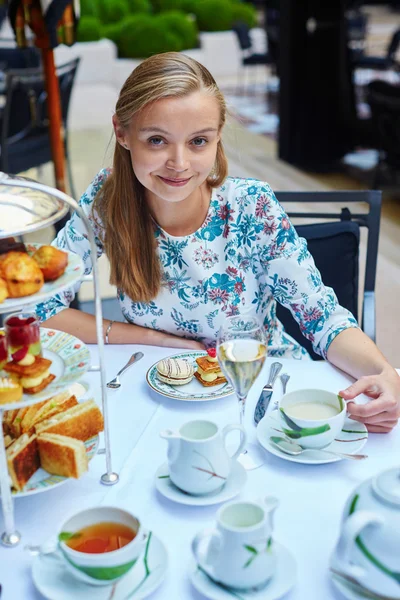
[{"x": 313, "y": 90}]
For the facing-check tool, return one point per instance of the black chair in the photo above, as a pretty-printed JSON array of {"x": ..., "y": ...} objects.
[
  {"x": 24, "y": 121},
  {"x": 384, "y": 101},
  {"x": 249, "y": 58},
  {"x": 335, "y": 248},
  {"x": 379, "y": 63}
]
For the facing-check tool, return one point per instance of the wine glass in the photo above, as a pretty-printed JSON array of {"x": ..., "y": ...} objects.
[{"x": 242, "y": 349}]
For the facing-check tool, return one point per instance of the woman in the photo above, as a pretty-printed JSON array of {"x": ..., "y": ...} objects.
[{"x": 188, "y": 246}]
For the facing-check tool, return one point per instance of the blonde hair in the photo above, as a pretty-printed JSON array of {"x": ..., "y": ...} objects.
[{"x": 129, "y": 230}]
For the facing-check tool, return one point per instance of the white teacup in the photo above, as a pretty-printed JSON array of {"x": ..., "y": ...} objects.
[
  {"x": 312, "y": 418},
  {"x": 240, "y": 551},
  {"x": 197, "y": 457},
  {"x": 108, "y": 567}
]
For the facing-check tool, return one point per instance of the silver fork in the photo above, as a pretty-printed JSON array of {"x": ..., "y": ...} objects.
[{"x": 115, "y": 383}]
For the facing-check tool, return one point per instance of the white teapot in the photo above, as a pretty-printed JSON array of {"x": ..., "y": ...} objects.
[
  {"x": 197, "y": 457},
  {"x": 368, "y": 549}
]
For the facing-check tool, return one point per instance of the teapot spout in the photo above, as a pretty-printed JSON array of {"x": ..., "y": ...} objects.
[{"x": 174, "y": 442}]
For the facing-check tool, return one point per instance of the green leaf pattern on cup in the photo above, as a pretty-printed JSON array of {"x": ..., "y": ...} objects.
[
  {"x": 254, "y": 552},
  {"x": 64, "y": 536},
  {"x": 375, "y": 561},
  {"x": 222, "y": 586},
  {"x": 296, "y": 432},
  {"x": 147, "y": 570},
  {"x": 102, "y": 573}
]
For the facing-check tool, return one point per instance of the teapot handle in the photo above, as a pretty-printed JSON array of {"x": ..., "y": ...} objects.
[
  {"x": 243, "y": 438},
  {"x": 352, "y": 528},
  {"x": 213, "y": 548}
]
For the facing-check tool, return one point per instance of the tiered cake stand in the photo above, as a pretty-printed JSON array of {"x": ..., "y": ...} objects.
[{"x": 27, "y": 206}]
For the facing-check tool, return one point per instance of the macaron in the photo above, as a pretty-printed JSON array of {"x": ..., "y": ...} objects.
[{"x": 175, "y": 371}]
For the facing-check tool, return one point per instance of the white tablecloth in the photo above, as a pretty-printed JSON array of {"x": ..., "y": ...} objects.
[{"x": 311, "y": 497}]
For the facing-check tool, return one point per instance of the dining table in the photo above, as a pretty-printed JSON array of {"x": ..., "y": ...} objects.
[{"x": 311, "y": 497}]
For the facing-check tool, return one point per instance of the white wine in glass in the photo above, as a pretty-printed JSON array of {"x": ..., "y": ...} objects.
[{"x": 242, "y": 349}]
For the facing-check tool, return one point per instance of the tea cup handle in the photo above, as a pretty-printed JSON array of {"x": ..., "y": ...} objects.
[
  {"x": 243, "y": 438},
  {"x": 214, "y": 546},
  {"x": 352, "y": 528}
]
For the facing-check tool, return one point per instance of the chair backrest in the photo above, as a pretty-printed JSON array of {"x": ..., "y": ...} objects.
[
  {"x": 243, "y": 34},
  {"x": 25, "y": 113},
  {"x": 335, "y": 249},
  {"x": 393, "y": 45},
  {"x": 384, "y": 101},
  {"x": 19, "y": 58}
]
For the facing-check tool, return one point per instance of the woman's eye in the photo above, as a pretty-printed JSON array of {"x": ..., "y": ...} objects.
[
  {"x": 156, "y": 141},
  {"x": 199, "y": 142}
]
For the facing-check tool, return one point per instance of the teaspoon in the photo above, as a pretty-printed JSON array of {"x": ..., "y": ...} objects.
[{"x": 295, "y": 450}]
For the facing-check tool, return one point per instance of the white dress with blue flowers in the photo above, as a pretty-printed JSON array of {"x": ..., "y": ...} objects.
[{"x": 246, "y": 254}]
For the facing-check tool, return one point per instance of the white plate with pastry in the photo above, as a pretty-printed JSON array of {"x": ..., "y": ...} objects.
[
  {"x": 178, "y": 377},
  {"x": 73, "y": 273},
  {"x": 70, "y": 359},
  {"x": 50, "y": 442}
]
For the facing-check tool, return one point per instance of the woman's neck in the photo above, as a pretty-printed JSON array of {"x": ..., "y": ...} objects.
[{"x": 181, "y": 218}]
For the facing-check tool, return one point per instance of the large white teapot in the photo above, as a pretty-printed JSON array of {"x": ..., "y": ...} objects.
[{"x": 369, "y": 545}]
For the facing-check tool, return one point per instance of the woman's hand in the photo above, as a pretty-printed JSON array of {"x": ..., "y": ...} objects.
[{"x": 382, "y": 413}]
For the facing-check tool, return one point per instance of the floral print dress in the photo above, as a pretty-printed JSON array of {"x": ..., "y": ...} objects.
[{"x": 245, "y": 255}]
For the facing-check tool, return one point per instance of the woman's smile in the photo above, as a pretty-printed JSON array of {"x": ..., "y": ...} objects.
[{"x": 174, "y": 182}]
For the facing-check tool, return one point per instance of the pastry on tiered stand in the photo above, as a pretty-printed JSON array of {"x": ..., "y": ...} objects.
[
  {"x": 21, "y": 273},
  {"x": 52, "y": 262},
  {"x": 10, "y": 390}
]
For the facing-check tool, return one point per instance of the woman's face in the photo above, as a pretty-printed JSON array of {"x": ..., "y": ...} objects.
[{"x": 173, "y": 144}]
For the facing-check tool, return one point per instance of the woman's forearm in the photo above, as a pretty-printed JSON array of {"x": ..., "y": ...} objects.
[
  {"x": 83, "y": 326},
  {"x": 356, "y": 354}
]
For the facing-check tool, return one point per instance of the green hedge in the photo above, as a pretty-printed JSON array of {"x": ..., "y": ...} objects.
[
  {"x": 143, "y": 35},
  {"x": 180, "y": 25},
  {"x": 244, "y": 13},
  {"x": 140, "y": 6},
  {"x": 89, "y": 29},
  {"x": 89, "y": 8},
  {"x": 213, "y": 15},
  {"x": 141, "y": 28},
  {"x": 112, "y": 12}
]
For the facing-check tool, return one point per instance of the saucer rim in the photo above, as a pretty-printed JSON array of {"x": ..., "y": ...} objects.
[
  {"x": 247, "y": 595},
  {"x": 153, "y": 588},
  {"x": 204, "y": 499},
  {"x": 302, "y": 458}
]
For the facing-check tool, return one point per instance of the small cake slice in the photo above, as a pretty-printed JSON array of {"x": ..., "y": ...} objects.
[
  {"x": 10, "y": 390},
  {"x": 33, "y": 377},
  {"x": 175, "y": 371},
  {"x": 209, "y": 372}
]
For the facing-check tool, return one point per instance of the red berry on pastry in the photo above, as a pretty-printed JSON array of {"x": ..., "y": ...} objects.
[
  {"x": 212, "y": 352},
  {"x": 20, "y": 353}
]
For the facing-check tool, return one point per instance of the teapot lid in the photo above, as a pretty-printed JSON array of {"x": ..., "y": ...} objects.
[{"x": 386, "y": 486}]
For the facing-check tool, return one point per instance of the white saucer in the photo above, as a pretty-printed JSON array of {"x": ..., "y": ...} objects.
[
  {"x": 55, "y": 583},
  {"x": 280, "y": 584},
  {"x": 232, "y": 487},
  {"x": 353, "y": 438}
]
